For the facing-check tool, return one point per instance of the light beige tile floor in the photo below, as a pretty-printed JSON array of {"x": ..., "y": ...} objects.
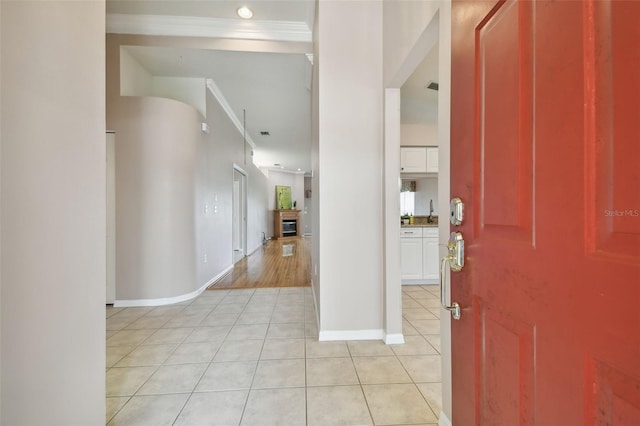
[{"x": 252, "y": 357}]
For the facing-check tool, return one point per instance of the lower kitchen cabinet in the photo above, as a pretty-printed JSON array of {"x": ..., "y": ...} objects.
[
  {"x": 410, "y": 258},
  {"x": 419, "y": 255},
  {"x": 430, "y": 258}
]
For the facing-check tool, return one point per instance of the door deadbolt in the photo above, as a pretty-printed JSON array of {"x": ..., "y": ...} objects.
[{"x": 456, "y": 211}]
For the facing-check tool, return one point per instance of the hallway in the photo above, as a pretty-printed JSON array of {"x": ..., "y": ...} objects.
[
  {"x": 251, "y": 357},
  {"x": 279, "y": 263}
]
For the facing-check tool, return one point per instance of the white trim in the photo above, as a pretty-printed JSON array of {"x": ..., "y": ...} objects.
[
  {"x": 394, "y": 339},
  {"x": 443, "y": 420},
  {"x": 215, "y": 91},
  {"x": 170, "y": 300},
  {"x": 196, "y": 26},
  {"x": 279, "y": 170},
  {"x": 333, "y": 335},
  {"x": 255, "y": 249},
  {"x": 421, "y": 281}
]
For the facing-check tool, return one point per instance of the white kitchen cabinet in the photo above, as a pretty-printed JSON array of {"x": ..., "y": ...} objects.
[
  {"x": 418, "y": 159},
  {"x": 411, "y": 253},
  {"x": 419, "y": 255},
  {"x": 432, "y": 160},
  {"x": 413, "y": 159},
  {"x": 430, "y": 256}
]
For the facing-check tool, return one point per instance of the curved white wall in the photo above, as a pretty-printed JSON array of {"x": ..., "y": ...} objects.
[
  {"x": 174, "y": 191},
  {"x": 157, "y": 143}
]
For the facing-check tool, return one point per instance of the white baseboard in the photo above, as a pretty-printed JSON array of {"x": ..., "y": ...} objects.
[
  {"x": 339, "y": 335},
  {"x": 170, "y": 300},
  {"x": 394, "y": 339},
  {"x": 421, "y": 282},
  {"x": 443, "y": 420},
  {"x": 254, "y": 250}
]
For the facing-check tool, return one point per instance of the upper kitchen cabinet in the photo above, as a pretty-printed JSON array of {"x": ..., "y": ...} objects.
[
  {"x": 413, "y": 159},
  {"x": 418, "y": 159},
  {"x": 432, "y": 160}
]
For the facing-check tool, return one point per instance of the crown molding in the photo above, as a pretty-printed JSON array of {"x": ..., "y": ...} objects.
[
  {"x": 215, "y": 91},
  {"x": 279, "y": 170},
  {"x": 194, "y": 26}
]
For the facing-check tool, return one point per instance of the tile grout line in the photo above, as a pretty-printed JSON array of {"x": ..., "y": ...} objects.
[
  {"x": 364, "y": 395},
  {"x": 160, "y": 366},
  {"x": 306, "y": 336},
  {"x": 436, "y": 415},
  {"x": 157, "y": 367},
  {"x": 210, "y": 362},
  {"x": 255, "y": 372}
]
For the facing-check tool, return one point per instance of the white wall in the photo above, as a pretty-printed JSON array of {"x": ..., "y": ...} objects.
[
  {"x": 296, "y": 182},
  {"x": 426, "y": 189},
  {"x": 308, "y": 207},
  {"x": 350, "y": 102},
  {"x": 315, "y": 166},
  {"x": 419, "y": 134},
  {"x": 404, "y": 24},
  {"x": 1, "y": 210},
  {"x": 223, "y": 148},
  {"x": 135, "y": 80},
  {"x": 184, "y": 89},
  {"x": 53, "y": 213},
  {"x": 157, "y": 150},
  {"x": 167, "y": 172}
]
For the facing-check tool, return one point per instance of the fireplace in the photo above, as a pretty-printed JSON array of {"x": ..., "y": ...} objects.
[{"x": 285, "y": 223}]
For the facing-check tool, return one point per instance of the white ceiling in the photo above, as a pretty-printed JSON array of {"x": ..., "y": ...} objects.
[
  {"x": 415, "y": 86},
  {"x": 273, "y": 88},
  {"x": 263, "y": 10},
  {"x": 419, "y": 105}
]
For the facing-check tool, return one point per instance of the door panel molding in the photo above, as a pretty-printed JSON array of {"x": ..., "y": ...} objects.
[
  {"x": 507, "y": 343},
  {"x": 612, "y": 216},
  {"x": 504, "y": 128}
]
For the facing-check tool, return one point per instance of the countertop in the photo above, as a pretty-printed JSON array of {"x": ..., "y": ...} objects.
[{"x": 421, "y": 221}]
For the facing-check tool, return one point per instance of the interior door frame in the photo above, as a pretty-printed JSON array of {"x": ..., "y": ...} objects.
[
  {"x": 243, "y": 211},
  {"x": 110, "y": 148},
  {"x": 438, "y": 30}
]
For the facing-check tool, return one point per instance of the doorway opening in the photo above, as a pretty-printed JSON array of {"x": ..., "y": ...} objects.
[
  {"x": 436, "y": 40},
  {"x": 239, "y": 227}
]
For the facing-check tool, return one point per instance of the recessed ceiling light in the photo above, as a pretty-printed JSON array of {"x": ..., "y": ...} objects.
[
  {"x": 245, "y": 13},
  {"x": 299, "y": 169}
]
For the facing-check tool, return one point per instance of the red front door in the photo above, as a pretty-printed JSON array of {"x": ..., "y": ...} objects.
[{"x": 545, "y": 153}]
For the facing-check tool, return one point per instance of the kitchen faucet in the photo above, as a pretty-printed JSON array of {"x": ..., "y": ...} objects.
[{"x": 431, "y": 211}]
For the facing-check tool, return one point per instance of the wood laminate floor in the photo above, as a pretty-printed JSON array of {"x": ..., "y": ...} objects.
[{"x": 279, "y": 263}]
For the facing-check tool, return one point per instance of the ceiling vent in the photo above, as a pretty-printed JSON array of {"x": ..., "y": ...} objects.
[
  {"x": 432, "y": 85},
  {"x": 264, "y": 133}
]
